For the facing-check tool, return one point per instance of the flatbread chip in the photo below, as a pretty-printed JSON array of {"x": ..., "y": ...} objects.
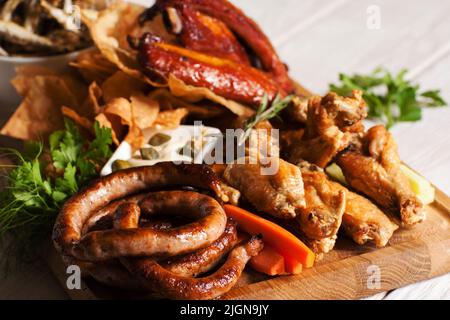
[
  {"x": 93, "y": 66},
  {"x": 104, "y": 122},
  {"x": 195, "y": 94},
  {"x": 91, "y": 106},
  {"x": 39, "y": 113},
  {"x": 121, "y": 85},
  {"x": 168, "y": 101},
  {"x": 79, "y": 120},
  {"x": 170, "y": 119},
  {"x": 109, "y": 32},
  {"x": 144, "y": 111},
  {"x": 121, "y": 108}
]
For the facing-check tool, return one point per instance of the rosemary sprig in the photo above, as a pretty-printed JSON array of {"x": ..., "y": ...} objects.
[{"x": 264, "y": 113}]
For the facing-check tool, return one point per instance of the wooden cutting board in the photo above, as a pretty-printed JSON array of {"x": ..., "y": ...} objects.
[{"x": 412, "y": 255}]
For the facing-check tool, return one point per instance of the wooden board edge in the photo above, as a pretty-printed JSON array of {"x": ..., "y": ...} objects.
[{"x": 352, "y": 278}]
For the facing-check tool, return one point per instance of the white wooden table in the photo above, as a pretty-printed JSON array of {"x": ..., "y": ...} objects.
[{"x": 320, "y": 38}]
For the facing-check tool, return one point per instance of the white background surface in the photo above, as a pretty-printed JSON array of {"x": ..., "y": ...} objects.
[{"x": 320, "y": 38}]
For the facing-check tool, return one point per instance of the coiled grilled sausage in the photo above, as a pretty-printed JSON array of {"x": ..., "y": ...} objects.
[
  {"x": 67, "y": 232},
  {"x": 175, "y": 286}
]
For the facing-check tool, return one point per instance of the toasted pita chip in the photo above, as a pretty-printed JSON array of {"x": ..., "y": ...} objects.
[
  {"x": 121, "y": 85},
  {"x": 91, "y": 106},
  {"x": 24, "y": 74},
  {"x": 168, "y": 101},
  {"x": 170, "y": 119},
  {"x": 195, "y": 94},
  {"x": 79, "y": 120},
  {"x": 109, "y": 32},
  {"x": 144, "y": 111},
  {"x": 121, "y": 108},
  {"x": 104, "y": 121},
  {"x": 93, "y": 66},
  {"x": 39, "y": 113}
]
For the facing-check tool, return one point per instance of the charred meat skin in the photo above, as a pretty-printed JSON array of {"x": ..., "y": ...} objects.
[
  {"x": 241, "y": 25},
  {"x": 230, "y": 80},
  {"x": 210, "y": 36}
]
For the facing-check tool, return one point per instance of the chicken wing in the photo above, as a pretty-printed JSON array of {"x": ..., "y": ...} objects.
[
  {"x": 364, "y": 222},
  {"x": 280, "y": 193},
  {"x": 374, "y": 170},
  {"x": 331, "y": 123},
  {"x": 361, "y": 219},
  {"x": 321, "y": 219}
]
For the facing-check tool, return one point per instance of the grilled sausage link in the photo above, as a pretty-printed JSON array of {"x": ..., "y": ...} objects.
[
  {"x": 103, "y": 245},
  {"x": 179, "y": 286}
]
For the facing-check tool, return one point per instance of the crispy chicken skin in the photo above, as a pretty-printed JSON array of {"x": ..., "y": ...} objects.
[
  {"x": 364, "y": 222},
  {"x": 325, "y": 204},
  {"x": 235, "y": 81},
  {"x": 374, "y": 170},
  {"x": 361, "y": 219},
  {"x": 239, "y": 24},
  {"x": 280, "y": 194},
  {"x": 331, "y": 123}
]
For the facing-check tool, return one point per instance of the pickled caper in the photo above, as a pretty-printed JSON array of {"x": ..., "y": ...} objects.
[
  {"x": 149, "y": 153},
  {"x": 120, "y": 165},
  {"x": 159, "y": 139}
]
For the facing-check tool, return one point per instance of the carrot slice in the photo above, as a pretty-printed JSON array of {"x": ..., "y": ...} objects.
[
  {"x": 284, "y": 242},
  {"x": 268, "y": 261},
  {"x": 292, "y": 266}
]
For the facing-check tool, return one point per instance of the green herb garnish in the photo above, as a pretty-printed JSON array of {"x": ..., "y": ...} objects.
[
  {"x": 44, "y": 179},
  {"x": 264, "y": 113},
  {"x": 390, "y": 98}
]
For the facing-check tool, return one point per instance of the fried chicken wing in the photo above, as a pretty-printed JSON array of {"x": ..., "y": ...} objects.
[
  {"x": 226, "y": 78},
  {"x": 279, "y": 194},
  {"x": 238, "y": 23},
  {"x": 325, "y": 204},
  {"x": 361, "y": 219},
  {"x": 331, "y": 122},
  {"x": 364, "y": 222},
  {"x": 374, "y": 170}
]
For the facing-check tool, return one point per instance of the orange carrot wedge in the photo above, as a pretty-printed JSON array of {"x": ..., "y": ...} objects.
[
  {"x": 292, "y": 266},
  {"x": 284, "y": 242},
  {"x": 268, "y": 261}
]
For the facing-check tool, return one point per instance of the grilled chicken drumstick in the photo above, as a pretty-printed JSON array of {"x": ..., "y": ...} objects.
[{"x": 374, "y": 170}]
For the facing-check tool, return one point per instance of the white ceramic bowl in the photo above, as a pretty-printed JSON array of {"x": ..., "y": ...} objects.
[{"x": 9, "y": 99}]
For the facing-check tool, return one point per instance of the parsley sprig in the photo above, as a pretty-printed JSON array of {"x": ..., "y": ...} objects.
[
  {"x": 44, "y": 179},
  {"x": 390, "y": 98}
]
